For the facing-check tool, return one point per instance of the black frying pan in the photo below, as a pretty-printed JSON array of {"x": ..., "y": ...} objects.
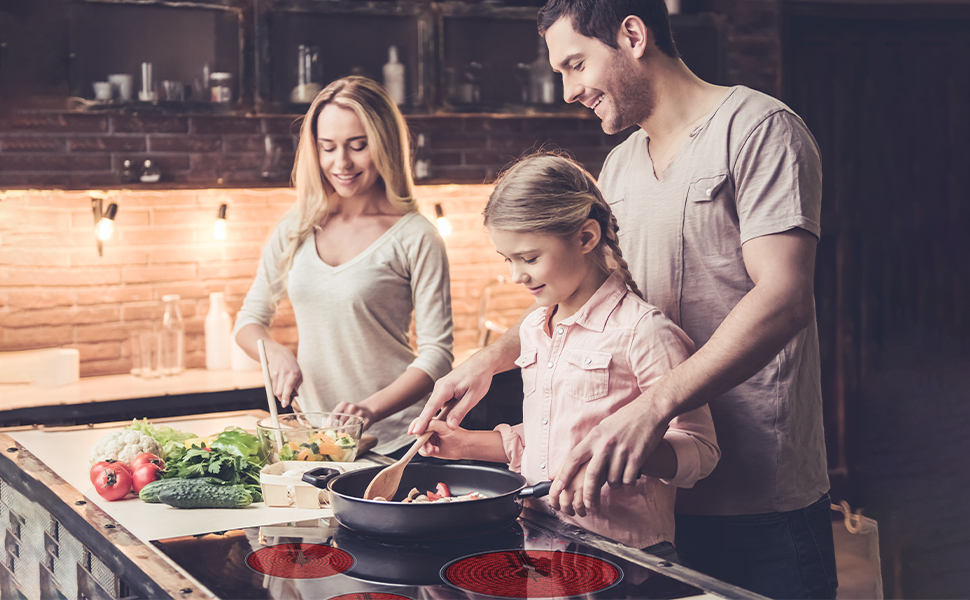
[{"x": 395, "y": 519}]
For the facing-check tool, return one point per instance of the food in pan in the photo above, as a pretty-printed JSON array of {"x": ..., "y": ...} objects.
[{"x": 441, "y": 494}]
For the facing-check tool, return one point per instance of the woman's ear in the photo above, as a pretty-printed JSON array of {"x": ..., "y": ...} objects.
[
  {"x": 634, "y": 36},
  {"x": 589, "y": 235}
]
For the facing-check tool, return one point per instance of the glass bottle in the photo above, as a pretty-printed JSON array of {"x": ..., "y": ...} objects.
[
  {"x": 422, "y": 160},
  {"x": 543, "y": 79},
  {"x": 173, "y": 337}
]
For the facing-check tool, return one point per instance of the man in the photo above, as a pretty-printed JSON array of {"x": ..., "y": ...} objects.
[{"x": 717, "y": 195}]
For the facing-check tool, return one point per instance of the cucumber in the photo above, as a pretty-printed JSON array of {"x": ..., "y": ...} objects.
[
  {"x": 189, "y": 493},
  {"x": 149, "y": 493}
]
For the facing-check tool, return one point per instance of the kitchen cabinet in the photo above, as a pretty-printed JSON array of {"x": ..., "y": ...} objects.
[{"x": 457, "y": 56}]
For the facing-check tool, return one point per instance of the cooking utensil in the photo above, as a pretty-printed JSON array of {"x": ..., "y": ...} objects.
[
  {"x": 504, "y": 490},
  {"x": 386, "y": 482},
  {"x": 270, "y": 396}
]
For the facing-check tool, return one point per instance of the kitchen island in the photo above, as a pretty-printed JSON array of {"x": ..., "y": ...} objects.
[{"x": 63, "y": 541}]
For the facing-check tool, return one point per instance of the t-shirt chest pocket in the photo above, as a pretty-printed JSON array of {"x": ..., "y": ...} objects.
[
  {"x": 527, "y": 363},
  {"x": 710, "y": 217},
  {"x": 587, "y": 375}
]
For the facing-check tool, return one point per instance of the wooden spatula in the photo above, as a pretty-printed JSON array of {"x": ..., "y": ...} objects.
[{"x": 385, "y": 483}]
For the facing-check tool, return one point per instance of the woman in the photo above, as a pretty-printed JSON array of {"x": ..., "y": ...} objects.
[{"x": 354, "y": 257}]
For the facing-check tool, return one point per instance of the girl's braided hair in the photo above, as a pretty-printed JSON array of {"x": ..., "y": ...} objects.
[{"x": 551, "y": 194}]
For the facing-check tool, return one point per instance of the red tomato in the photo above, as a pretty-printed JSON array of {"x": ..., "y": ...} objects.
[
  {"x": 102, "y": 465},
  {"x": 443, "y": 490},
  {"x": 113, "y": 483},
  {"x": 147, "y": 457},
  {"x": 144, "y": 474}
]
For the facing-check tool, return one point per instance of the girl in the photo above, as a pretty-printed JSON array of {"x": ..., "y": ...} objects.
[
  {"x": 355, "y": 259},
  {"x": 592, "y": 346}
]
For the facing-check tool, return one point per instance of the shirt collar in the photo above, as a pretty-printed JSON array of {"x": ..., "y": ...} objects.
[{"x": 597, "y": 310}]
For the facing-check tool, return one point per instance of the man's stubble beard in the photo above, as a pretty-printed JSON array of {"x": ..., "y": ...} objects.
[{"x": 633, "y": 97}]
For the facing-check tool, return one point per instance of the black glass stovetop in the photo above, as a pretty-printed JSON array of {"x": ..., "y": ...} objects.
[{"x": 321, "y": 560}]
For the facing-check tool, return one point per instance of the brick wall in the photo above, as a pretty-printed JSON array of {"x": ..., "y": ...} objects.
[
  {"x": 56, "y": 291},
  {"x": 69, "y": 150}
]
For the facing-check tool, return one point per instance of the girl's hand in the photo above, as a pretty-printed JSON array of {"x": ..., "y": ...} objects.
[
  {"x": 445, "y": 442},
  {"x": 570, "y": 500},
  {"x": 284, "y": 371},
  {"x": 357, "y": 409}
]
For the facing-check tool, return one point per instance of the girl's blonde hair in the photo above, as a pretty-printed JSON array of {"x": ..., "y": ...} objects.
[
  {"x": 551, "y": 194},
  {"x": 389, "y": 144}
]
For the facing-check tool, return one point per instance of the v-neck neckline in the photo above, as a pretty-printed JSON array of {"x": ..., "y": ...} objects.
[
  {"x": 366, "y": 251},
  {"x": 703, "y": 121}
]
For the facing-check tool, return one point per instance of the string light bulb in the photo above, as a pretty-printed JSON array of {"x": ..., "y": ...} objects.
[
  {"x": 444, "y": 227},
  {"x": 219, "y": 229}
]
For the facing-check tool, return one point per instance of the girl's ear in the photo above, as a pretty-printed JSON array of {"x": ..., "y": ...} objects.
[{"x": 589, "y": 235}]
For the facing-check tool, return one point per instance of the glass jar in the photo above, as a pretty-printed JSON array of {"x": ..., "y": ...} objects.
[{"x": 173, "y": 337}]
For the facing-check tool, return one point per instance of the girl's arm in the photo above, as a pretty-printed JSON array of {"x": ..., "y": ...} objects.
[{"x": 457, "y": 443}]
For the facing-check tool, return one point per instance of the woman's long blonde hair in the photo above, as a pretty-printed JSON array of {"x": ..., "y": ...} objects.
[
  {"x": 389, "y": 144},
  {"x": 551, "y": 194}
]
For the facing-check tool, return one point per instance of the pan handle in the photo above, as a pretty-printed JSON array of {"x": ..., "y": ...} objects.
[
  {"x": 536, "y": 491},
  {"x": 320, "y": 476}
]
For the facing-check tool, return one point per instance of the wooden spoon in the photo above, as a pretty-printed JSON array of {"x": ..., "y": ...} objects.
[{"x": 385, "y": 483}]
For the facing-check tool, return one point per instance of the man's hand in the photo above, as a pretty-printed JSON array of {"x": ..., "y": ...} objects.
[
  {"x": 467, "y": 384},
  {"x": 612, "y": 452}
]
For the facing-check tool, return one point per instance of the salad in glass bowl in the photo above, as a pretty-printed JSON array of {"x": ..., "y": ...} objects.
[{"x": 320, "y": 436}]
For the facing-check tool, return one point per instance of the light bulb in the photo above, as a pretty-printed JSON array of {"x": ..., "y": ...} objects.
[
  {"x": 219, "y": 229},
  {"x": 444, "y": 227},
  {"x": 105, "y": 228}
]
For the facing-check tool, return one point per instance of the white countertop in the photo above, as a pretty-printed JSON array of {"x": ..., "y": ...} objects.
[
  {"x": 123, "y": 387},
  {"x": 66, "y": 453}
]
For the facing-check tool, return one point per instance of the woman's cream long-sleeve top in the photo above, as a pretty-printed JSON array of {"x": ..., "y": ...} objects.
[{"x": 354, "y": 319}]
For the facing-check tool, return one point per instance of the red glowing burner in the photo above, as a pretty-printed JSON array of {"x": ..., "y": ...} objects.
[
  {"x": 531, "y": 574},
  {"x": 300, "y": 561},
  {"x": 369, "y": 596}
]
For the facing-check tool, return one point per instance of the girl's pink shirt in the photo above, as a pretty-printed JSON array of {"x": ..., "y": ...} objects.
[{"x": 596, "y": 361}]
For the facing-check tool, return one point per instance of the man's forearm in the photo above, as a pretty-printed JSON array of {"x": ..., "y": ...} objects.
[{"x": 752, "y": 334}]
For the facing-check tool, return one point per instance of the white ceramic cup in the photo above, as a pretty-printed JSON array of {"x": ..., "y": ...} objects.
[
  {"x": 102, "y": 90},
  {"x": 121, "y": 82}
]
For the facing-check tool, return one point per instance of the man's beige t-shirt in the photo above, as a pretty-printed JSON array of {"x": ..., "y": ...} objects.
[{"x": 750, "y": 168}]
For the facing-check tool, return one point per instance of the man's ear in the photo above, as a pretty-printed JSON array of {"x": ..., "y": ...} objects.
[{"x": 634, "y": 35}]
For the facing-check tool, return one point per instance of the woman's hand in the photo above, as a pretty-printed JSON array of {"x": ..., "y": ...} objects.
[
  {"x": 284, "y": 371},
  {"x": 445, "y": 442},
  {"x": 359, "y": 410}
]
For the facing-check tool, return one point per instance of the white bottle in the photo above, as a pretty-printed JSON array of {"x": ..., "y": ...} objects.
[
  {"x": 394, "y": 76},
  {"x": 218, "y": 328}
]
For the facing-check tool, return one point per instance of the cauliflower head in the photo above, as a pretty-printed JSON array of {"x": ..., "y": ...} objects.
[{"x": 124, "y": 446}]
